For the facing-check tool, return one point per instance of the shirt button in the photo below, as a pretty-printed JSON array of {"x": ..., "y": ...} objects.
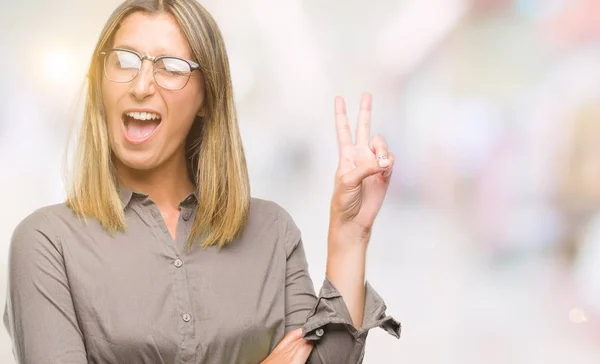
[
  {"x": 186, "y": 317},
  {"x": 178, "y": 263},
  {"x": 319, "y": 332},
  {"x": 186, "y": 215}
]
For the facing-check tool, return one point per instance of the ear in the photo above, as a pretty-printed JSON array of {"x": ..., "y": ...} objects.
[{"x": 201, "y": 111}]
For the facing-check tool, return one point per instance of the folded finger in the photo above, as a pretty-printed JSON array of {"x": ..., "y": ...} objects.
[
  {"x": 354, "y": 178},
  {"x": 379, "y": 147},
  {"x": 390, "y": 167}
]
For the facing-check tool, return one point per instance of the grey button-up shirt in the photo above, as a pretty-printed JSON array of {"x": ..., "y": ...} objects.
[{"x": 79, "y": 295}]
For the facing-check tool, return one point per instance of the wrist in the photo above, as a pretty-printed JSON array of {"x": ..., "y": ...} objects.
[
  {"x": 348, "y": 235},
  {"x": 347, "y": 246}
]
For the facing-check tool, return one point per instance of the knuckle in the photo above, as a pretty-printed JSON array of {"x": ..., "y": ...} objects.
[
  {"x": 380, "y": 139},
  {"x": 344, "y": 127}
]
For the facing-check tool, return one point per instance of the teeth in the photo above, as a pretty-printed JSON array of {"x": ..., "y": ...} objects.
[{"x": 143, "y": 115}]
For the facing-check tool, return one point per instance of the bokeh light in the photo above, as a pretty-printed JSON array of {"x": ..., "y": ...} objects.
[{"x": 59, "y": 66}]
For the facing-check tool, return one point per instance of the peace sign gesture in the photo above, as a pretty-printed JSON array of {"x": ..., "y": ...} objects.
[{"x": 363, "y": 173}]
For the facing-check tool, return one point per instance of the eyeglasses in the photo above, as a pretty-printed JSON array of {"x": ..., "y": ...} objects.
[{"x": 171, "y": 73}]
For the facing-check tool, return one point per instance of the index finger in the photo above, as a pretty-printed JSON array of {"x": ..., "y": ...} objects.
[
  {"x": 344, "y": 136},
  {"x": 291, "y": 337}
]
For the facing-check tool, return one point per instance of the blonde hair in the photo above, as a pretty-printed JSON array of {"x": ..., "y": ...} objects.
[{"x": 214, "y": 151}]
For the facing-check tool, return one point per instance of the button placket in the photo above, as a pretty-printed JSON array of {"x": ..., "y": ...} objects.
[
  {"x": 185, "y": 321},
  {"x": 182, "y": 286}
]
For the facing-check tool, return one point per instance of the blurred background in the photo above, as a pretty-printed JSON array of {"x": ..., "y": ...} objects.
[{"x": 488, "y": 245}]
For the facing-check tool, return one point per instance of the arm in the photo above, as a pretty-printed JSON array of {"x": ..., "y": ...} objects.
[
  {"x": 39, "y": 313},
  {"x": 349, "y": 282},
  {"x": 347, "y": 306},
  {"x": 361, "y": 181}
]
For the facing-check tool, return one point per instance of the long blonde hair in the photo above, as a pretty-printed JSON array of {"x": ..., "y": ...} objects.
[{"x": 214, "y": 151}]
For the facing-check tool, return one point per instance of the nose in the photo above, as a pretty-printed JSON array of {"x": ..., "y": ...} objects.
[{"x": 143, "y": 85}]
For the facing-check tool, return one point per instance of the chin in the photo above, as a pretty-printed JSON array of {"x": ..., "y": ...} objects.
[{"x": 138, "y": 160}]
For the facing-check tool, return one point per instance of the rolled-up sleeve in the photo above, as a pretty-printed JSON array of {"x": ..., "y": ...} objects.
[
  {"x": 325, "y": 319},
  {"x": 39, "y": 313}
]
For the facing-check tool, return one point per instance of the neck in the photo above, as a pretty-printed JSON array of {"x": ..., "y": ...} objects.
[{"x": 167, "y": 185}]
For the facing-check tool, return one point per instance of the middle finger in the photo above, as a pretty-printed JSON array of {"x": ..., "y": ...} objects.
[{"x": 363, "y": 129}]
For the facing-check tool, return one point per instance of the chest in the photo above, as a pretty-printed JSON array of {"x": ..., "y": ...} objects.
[{"x": 144, "y": 300}]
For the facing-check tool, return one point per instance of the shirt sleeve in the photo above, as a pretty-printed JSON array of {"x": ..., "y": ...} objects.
[
  {"x": 325, "y": 319},
  {"x": 39, "y": 313}
]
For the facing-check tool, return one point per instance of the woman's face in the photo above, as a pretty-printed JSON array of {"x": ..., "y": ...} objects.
[{"x": 148, "y": 144}]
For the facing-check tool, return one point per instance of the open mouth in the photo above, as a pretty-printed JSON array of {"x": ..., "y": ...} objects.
[{"x": 140, "y": 126}]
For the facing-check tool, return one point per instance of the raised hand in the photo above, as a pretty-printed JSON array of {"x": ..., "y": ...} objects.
[{"x": 363, "y": 173}]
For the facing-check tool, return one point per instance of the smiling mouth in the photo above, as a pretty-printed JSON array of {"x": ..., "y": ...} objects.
[{"x": 140, "y": 126}]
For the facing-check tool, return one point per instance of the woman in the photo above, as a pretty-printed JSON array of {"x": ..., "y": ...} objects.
[{"x": 159, "y": 255}]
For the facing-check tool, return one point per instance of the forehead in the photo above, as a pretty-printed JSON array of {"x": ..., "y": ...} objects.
[{"x": 152, "y": 34}]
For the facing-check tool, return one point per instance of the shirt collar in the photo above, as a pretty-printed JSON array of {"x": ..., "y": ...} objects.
[{"x": 126, "y": 195}]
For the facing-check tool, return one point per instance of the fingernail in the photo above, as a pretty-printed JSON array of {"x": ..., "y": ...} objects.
[{"x": 384, "y": 163}]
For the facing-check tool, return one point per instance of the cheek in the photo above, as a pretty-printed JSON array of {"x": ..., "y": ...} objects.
[
  {"x": 196, "y": 95},
  {"x": 106, "y": 94},
  {"x": 184, "y": 108},
  {"x": 106, "y": 98},
  {"x": 109, "y": 100}
]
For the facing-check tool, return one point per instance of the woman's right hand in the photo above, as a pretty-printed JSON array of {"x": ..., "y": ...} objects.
[{"x": 293, "y": 349}]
